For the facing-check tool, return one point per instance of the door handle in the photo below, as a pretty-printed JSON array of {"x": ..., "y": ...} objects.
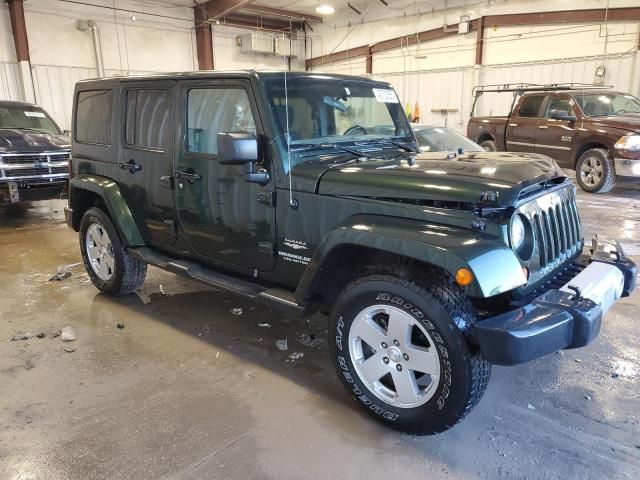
[
  {"x": 131, "y": 166},
  {"x": 543, "y": 127},
  {"x": 513, "y": 124},
  {"x": 190, "y": 176}
]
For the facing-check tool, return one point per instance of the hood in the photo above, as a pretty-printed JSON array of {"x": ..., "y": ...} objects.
[
  {"x": 13, "y": 140},
  {"x": 629, "y": 121},
  {"x": 432, "y": 177}
]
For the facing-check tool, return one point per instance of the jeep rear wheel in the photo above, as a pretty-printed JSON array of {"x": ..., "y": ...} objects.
[
  {"x": 400, "y": 349},
  {"x": 111, "y": 269}
]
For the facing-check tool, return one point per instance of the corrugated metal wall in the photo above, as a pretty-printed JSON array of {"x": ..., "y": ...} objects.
[
  {"x": 10, "y": 85},
  {"x": 451, "y": 88}
]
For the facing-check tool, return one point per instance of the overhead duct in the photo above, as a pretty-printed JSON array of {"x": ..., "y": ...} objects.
[{"x": 83, "y": 26}]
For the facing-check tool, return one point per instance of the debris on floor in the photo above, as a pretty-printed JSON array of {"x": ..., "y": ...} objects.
[
  {"x": 294, "y": 357},
  {"x": 236, "y": 311},
  {"x": 68, "y": 334},
  {"x": 21, "y": 336},
  {"x": 531, "y": 407},
  {"x": 308, "y": 339},
  {"x": 60, "y": 276},
  {"x": 69, "y": 349},
  {"x": 264, "y": 325},
  {"x": 120, "y": 325},
  {"x": 577, "y": 360},
  {"x": 162, "y": 290},
  {"x": 28, "y": 364},
  {"x": 41, "y": 335},
  {"x": 282, "y": 345},
  {"x": 587, "y": 397}
]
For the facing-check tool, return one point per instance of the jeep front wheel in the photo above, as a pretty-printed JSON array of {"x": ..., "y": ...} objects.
[
  {"x": 111, "y": 269},
  {"x": 400, "y": 349}
]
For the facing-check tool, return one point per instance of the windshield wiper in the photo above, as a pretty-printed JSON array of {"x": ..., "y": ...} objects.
[
  {"x": 352, "y": 151},
  {"x": 27, "y": 128},
  {"x": 402, "y": 145}
]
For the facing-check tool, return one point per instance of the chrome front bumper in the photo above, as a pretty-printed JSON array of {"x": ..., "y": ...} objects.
[
  {"x": 627, "y": 168},
  {"x": 568, "y": 317}
]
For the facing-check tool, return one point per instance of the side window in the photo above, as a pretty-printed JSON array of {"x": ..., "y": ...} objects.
[
  {"x": 558, "y": 103},
  {"x": 148, "y": 117},
  {"x": 93, "y": 117},
  {"x": 214, "y": 110},
  {"x": 530, "y": 106}
]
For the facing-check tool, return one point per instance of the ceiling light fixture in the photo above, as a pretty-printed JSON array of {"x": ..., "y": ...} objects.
[{"x": 325, "y": 9}]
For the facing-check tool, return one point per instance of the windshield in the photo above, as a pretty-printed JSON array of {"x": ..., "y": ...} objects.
[
  {"x": 603, "y": 104},
  {"x": 324, "y": 110},
  {"x": 27, "y": 117},
  {"x": 443, "y": 139}
]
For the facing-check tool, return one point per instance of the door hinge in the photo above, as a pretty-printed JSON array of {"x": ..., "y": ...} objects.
[
  {"x": 267, "y": 198},
  {"x": 170, "y": 224},
  {"x": 267, "y": 248}
]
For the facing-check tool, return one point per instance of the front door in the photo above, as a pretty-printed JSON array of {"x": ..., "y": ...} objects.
[
  {"x": 146, "y": 157},
  {"x": 555, "y": 136},
  {"x": 223, "y": 216},
  {"x": 523, "y": 125}
]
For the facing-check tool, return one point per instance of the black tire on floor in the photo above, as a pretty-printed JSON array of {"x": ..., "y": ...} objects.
[
  {"x": 128, "y": 273},
  {"x": 446, "y": 314},
  {"x": 598, "y": 158},
  {"x": 489, "y": 145}
]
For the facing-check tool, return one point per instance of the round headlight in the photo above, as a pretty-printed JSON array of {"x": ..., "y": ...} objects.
[{"x": 517, "y": 232}]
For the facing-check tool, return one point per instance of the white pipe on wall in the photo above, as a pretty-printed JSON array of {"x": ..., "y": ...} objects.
[{"x": 83, "y": 26}]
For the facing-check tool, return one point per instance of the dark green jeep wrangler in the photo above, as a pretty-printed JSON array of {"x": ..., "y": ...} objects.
[{"x": 307, "y": 191}]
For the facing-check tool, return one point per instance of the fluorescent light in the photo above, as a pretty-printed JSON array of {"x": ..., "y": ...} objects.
[{"x": 325, "y": 9}]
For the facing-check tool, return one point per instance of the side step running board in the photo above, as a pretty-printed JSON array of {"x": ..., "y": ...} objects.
[{"x": 272, "y": 296}]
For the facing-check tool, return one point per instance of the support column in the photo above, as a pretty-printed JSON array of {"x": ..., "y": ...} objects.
[
  {"x": 480, "y": 41},
  {"x": 204, "y": 39},
  {"x": 369, "y": 64},
  {"x": 19, "y": 28}
]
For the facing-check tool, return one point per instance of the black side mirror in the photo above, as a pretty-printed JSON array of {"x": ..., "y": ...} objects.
[
  {"x": 562, "y": 115},
  {"x": 237, "y": 148},
  {"x": 241, "y": 148}
]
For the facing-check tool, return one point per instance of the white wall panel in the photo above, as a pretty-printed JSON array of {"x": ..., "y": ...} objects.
[
  {"x": 452, "y": 88},
  {"x": 357, "y": 66},
  {"x": 7, "y": 50},
  {"x": 10, "y": 86}
]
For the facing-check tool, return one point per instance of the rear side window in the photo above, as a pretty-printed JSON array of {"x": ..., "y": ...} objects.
[
  {"x": 147, "y": 120},
  {"x": 93, "y": 117},
  {"x": 530, "y": 106},
  {"x": 214, "y": 110}
]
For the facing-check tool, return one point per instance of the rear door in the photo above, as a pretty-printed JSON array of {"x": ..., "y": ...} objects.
[
  {"x": 555, "y": 136},
  {"x": 146, "y": 157},
  {"x": 522, "y": 127}
]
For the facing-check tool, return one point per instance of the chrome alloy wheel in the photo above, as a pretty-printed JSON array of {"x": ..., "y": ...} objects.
[
  {"x": 100, "y": 251},
  {"x": 591, "y": 171},
  {"x": 394, "y": 356}
]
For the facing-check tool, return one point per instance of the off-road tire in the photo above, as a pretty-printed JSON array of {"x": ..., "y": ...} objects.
[
  {"x": 608, "y": 179},
  {"x": 447, "y": 315},
  {"x": 489, "y": 145},
  {"x": 129, "y": 272}
]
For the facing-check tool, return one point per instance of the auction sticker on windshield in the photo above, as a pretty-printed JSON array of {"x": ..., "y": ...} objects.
[
  {"x": 385, "y": 95},
  {"x": 34, "y": 114}
]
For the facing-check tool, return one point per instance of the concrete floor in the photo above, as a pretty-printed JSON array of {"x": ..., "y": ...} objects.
[{"x": 187, "y": 390}]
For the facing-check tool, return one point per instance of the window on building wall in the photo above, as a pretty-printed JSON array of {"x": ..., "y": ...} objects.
[
  {"x": 147, "y": 123},
  {"x": 93, "y": 117}
]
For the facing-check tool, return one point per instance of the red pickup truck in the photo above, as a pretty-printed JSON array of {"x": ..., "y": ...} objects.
[{"x": 594, "y": 131}]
